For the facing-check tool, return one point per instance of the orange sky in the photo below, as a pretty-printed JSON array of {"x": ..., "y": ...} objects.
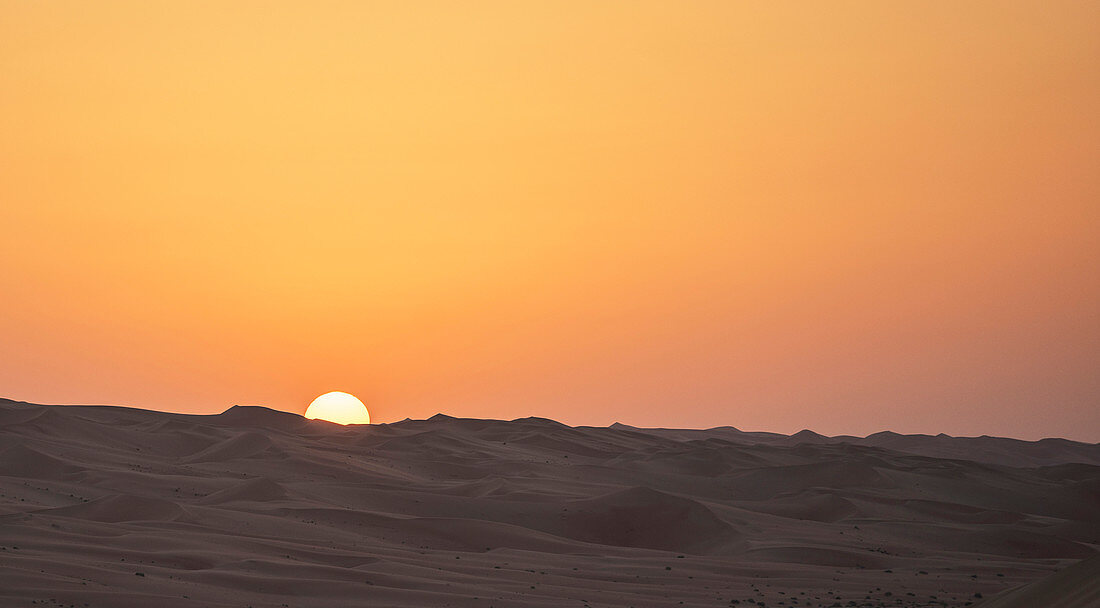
[{"x": 843, "y": 216}]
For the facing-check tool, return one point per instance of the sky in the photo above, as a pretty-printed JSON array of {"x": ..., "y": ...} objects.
[{"x": 849, "y": 216}]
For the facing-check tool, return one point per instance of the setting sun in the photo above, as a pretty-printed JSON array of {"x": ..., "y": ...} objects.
[{"x": 338, "y": 407}]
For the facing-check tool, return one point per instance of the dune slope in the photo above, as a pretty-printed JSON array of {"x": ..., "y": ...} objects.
[{"x": 1077, "y": 586}]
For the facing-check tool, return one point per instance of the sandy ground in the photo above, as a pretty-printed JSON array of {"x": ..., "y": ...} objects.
[{"x": 108, "y": 506}]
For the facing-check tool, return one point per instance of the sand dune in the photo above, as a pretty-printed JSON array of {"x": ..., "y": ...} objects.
[
  {"x": 642, "y": 517},
  {"x": 120, "y": 508},
  {"x": 256, "y": 490},
  {"x": 244, "y": 445},
  {"x": 109, "y": 506}
]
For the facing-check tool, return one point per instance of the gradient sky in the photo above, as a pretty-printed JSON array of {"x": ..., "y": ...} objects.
[{"x": 843, "y": 216}]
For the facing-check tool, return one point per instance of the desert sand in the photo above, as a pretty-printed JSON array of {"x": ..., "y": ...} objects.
[{"x": 111, "y": 506}]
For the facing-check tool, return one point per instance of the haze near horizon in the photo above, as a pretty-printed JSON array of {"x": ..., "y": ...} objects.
[{"x": 849, "y": 218}]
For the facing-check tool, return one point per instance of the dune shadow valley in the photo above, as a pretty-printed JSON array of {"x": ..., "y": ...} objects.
[{"x": 112, "y": 506}]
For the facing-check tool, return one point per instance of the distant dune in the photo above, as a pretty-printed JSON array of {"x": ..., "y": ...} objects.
[{"x": 117, "y": 507}]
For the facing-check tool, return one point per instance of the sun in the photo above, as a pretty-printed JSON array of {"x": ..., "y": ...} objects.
[{"x": 338, "y": 407}]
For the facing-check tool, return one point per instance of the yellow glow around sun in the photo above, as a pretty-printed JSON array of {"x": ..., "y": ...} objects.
[{"x": 338, "y": 407}]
